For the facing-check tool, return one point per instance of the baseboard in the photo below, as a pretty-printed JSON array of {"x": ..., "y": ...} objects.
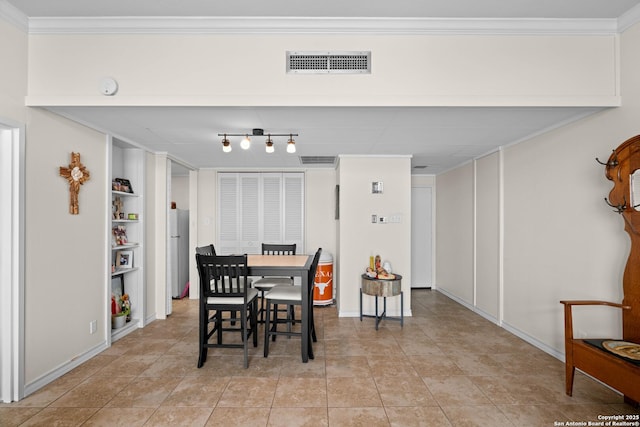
[
  {"x": 510, "y": 328},
  {"x": 63, "y": 369},
  {"x": 533, "y": 341}
]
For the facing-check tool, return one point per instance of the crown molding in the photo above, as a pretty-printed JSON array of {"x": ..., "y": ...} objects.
[
  {"x": 11, "y": 14},
  {"x": 629, "y": 19},
  {"x": 309, "y": 25}
]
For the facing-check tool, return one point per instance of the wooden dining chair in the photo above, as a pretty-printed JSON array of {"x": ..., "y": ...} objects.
[
  {"x": 291, "y": 296},
  {"x": 224, "y": 288},
  {"x": 265, "y": 284},
  {"x": 206, "y": 250}
]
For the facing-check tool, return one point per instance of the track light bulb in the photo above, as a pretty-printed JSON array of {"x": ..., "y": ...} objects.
[
  {"x": 269, "y": 147},
  {"x": 291, "y": 145},
  {"x": 226, "y": 145},
  {"x": 245, "y": 143}
]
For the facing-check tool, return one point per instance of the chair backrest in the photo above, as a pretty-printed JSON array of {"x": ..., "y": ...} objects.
[
  {"x": 313, "y": 269},
  {"x": 273, "y": 249},
  {"x": 206, "y": 250},
  {"x": 222, "y": 275}
]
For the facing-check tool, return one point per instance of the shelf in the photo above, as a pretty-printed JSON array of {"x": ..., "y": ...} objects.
[
  {"x": 127, "y": 246},
  {"x": 122, "y": 193},
  {"x": 122, "y": 271},
  {"x": 129, "y": 327},
  {"x": 127, "y": 164}
]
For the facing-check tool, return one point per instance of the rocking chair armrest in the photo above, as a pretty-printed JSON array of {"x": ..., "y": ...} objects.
[
  {"x": 594, "y": 302},
  {"x": 568, "y": 318}
]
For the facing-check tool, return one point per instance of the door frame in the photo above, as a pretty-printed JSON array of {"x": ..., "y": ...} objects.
[
  {"x": 12, "y": 203},
  {"x": 431, "y": 230}
]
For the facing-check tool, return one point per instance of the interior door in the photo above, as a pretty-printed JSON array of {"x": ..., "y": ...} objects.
[{"x": 421, "y": 237}]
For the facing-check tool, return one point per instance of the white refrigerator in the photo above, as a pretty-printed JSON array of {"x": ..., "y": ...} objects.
[{"x": 178, "y": 263}]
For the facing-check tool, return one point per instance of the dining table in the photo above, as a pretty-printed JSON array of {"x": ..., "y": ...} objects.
[{"x": 289, "y": 266}]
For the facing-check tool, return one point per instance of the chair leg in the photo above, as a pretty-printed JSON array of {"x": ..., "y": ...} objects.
[
  {"x": 245, "y": 336},
  {"x": 275, "y": 319},
  {"x": 202, "y": 357},
  {"x": 570, "y": 371},
  {"x": 219, "y": 325},
  {"x": 312, "y": 324},
  {"x": 266, "y": 330},
  {"x": 254, "y": 321},
  {"x": 261, "y": 306}
]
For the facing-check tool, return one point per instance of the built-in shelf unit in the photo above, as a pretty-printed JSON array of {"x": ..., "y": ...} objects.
[{"x": 127, "y": 234}]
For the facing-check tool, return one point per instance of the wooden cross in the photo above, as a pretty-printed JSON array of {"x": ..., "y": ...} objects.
[{"x": 76, "y": 174}]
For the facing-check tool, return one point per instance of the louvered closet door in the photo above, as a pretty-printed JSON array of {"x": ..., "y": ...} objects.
[
  {"x": 259, "y": 207},
  {"x": 228, "y": 224},
  {"x": 273, "y": 219}
]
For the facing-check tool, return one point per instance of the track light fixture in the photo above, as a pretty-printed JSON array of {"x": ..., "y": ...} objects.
[
  {"x": 245, "y": 143},
  {"x": 246, "y": 140},
  {"x": 226, "y": 145},
  {"x": 291, "y": 145},
  {"x": 269, "y": 143}
]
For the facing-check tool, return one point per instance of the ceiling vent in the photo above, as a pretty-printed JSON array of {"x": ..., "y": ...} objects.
[
  {"x": 329, "y": 62},
  {"x": 317, "y": 160}
]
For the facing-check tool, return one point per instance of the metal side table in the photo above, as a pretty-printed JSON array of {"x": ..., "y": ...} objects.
[{"x": 382, "y": 288}]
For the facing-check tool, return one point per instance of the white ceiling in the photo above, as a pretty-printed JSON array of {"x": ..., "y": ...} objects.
[{"x": 439, "y": 138}]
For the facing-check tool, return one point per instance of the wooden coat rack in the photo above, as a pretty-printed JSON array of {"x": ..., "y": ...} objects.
[{"x": 596, "y": 357}]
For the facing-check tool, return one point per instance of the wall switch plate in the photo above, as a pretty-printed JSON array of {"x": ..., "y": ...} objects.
[
  {"x": 374, "y": 218},
  {"x": 93, "y": 326}
]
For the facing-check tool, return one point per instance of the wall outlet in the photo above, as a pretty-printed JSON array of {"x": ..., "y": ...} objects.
[{"x": 93, "y": 326}]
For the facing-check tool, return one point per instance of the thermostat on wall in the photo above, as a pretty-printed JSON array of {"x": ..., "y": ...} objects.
[{"x": 108, "y": 86}]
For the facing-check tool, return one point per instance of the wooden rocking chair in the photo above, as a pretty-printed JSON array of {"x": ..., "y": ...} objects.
[{"x": 598, "y": 357}]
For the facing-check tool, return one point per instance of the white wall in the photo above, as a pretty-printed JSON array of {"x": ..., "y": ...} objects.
[
  {"x": 359, "y": 238},
  {"x": 454, "y": 233},
  {"x": 320, "y": 211},
  {"x": 180, "y": 191},
  {"x": 154, "y": 69},
  {"x": 65, "y": 254},
  {"x": 561, "y": 241},
  {"x": 13, "y": 72},
  {"x": 151, "y": 274},
  {"x": 487, "y": 235}
]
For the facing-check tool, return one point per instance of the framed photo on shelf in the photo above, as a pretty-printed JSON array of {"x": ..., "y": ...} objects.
[
  {"x": 125, "y": 185},
  {"x": 124, "y": 259}
]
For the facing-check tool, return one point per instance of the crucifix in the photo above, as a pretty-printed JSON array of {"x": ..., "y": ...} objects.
[{"x": 76, "y": 174}]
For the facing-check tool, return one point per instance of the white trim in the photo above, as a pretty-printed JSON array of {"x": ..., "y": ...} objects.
[
  {"x": 319, "y": 25},
  {"x": 11, "y": 14},
  {"x": 533, "y": 341},
  {"x": 296, "y": 100},
  {"x": 107, "y": 236},
  {"x": 511, "y": 329},
  {"x": 500, "y": 295},
  {"x": 12, "y": 262},
  {"x": 64, "y": 368},
  {"x": 629, "y": 19},
  {"x": 369, "y": 156}
]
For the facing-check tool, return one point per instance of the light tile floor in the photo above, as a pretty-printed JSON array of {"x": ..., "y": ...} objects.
[{"x": 446, "y": 367}]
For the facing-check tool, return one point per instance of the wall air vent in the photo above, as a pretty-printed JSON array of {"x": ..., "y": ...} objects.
[
  {"x": 329, "y": 62},
  {"x": 317, "y": 160}
]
